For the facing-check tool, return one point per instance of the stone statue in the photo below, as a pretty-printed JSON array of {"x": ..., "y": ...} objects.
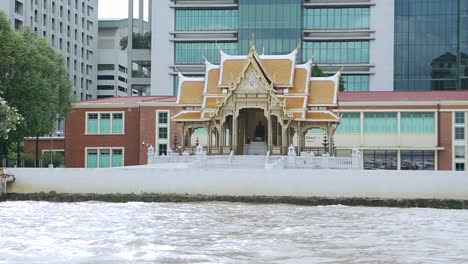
[{"x": 259, "y": 134}]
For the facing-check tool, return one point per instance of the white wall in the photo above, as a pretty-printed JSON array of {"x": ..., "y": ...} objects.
[
  {"x": 381, "y": 49},
  {"x": 162, "y": 50},
  {"x": 246, "y": 182}
]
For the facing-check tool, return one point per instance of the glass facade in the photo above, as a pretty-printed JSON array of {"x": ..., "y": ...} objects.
[
  {"x": 350, "y": 123},
  {"x": 276, "y": 25},
  {"x": 336, "y": 51},
  {"x": 417, "y": 122},
  {"x": 431, "y": 44},
  {"x": 417, "y": 160},
  {"x": 203, "y": 19},
  {"x": 380, "y": 122},
  {"x": 336, "y": 18},
  {"x": 356, "y": 83},
  {"x": 380, "y": 160},
  {"x": 193, "y": 52}
]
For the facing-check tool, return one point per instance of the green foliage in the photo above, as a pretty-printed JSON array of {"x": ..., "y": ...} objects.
[
  {"x": 317, "y": 72},
  {"x": 140, "y": 41},
  {"x": 33, "y": 79},
  {"x": 9, "y": 119},
  {"x": 58, "y": 159}
]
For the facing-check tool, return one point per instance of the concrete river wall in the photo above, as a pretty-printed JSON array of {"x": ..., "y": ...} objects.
[{"x": 340, "y": 186}]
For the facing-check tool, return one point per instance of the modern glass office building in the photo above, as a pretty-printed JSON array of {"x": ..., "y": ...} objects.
[
  {"x": 431, "y": 44},
  {"x": 334, "y": 34}
]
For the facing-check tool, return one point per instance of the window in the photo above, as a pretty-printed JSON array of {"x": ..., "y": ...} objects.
[
  {"x": 336, "y": 51},
  {"x": 417, "y": 160},
  {"x": 380, "y": 159},
  {"x": 417, "y": 122},
  {"x": 190, "y": 53},
  {"x": 350, "y": 123},
  {"x": 104, "y": 157},
  {"x": 460, "y": 166},
  {"x": 162, "y": 117},
  {"x": 162, "y": 149},
  {"x": 380, "y": 122},
  {"x": 459, "y": 133},
  {"x": 105, "y": 123},
  {"x": 163, "y": 131},
  {"x": 106, "y": 77},
  {"x": 356, "y": 83},
  {"x": 204, "y": 19},
  {"x": 336, "y": 18},
  {"x": 460, "y": 152},
  {"x": 459, "y": 117}
]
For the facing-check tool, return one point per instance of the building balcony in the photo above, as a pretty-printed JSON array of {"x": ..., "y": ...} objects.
[
  {"x": 204, "y": 4},
  {"x": 338, "y": 34},
  {"x": 339, "y": 3}
]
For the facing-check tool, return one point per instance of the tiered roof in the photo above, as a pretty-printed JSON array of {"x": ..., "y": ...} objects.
[{"x": 303, "y": 97}]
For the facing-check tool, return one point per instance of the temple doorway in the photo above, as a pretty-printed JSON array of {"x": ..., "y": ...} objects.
[{"x": 252, "y": 134}]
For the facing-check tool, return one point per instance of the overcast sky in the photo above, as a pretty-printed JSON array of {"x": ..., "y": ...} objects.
[{"x": 116, "y": 8}]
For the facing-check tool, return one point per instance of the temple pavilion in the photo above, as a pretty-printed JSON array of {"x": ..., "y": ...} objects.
[{"x": 254, "y": 103}]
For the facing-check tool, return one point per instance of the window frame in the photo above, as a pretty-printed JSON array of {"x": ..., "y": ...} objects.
[
  {"x": 166, "y": 125},
  {"x": 99, "y": 113},
  {"x": 98, "y": 149}
]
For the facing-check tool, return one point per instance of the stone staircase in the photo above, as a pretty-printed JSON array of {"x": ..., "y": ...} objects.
[{"x": 256, "y": 148}]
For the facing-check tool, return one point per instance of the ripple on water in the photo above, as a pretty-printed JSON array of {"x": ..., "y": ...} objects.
[{"x": 95, "y": 232}]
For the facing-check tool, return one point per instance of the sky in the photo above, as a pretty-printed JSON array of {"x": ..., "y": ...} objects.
[{"x": 109, "y": 9}]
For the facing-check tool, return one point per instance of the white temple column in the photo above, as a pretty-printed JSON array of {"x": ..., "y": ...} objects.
[
  {"x": 270, "y": 132},
  {"x": 234, "y": 133}
]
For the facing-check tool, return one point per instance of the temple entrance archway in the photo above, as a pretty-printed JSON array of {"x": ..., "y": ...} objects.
[{"x": 252, "y": 131}]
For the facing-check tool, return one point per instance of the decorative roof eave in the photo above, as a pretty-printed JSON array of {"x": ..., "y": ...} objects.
[
  {"x": 308, "y": 67},
  {"x": 336, "y": 80},
  {"x": 188, "y": 116},
  {"x": 291, "y": 56},
  {"x": 334, "y": 117},
  {"x": 208, "y": 67},
  {"x": 183, "y": 79}
]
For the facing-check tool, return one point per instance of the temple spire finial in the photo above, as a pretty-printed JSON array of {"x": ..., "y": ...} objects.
[{"x": 252, "y": 42}]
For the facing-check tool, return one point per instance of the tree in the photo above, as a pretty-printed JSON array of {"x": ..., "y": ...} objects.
[
  {"x": 34, "y": 80},
  {"x": 317, "y": 72},
  {"x": 140, "y": 41}
]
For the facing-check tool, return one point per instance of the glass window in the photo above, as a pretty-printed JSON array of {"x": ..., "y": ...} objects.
[
  {"x": 193, "y": 52},
  {"x": 117, "y": 158},
  {"x": 459, "y": 117},
  {"x": 356, "y": 83},
  {"x": 162, "y": 149},
  {"x": 417, "y": 160},
  {"x": 91, "y": 158},
  {"x": 104, "y": 158},
  {"x": 336, "y": 18},
  {"x": 105, "y": 123},
  {"x": 380, "y": 159},
  {"x": 336, "y": 51},
  {"x": 417, "y": 122},
  {"x": 206, "y": 19},
  {"x": 460, "y": 152},
  {"x": 162, "y": 118},
  {"x": 459, "y": 133},
  {"x": 106, "y": 67},
  {"x": 350, "y": 123},
  {"x": 92, "y": 124},
  {"x": 460, "y": 166},
  {"x": 117, "y": 123},
  {"x": 380, "y": 122},
  {"x": 162, "y": 133}
]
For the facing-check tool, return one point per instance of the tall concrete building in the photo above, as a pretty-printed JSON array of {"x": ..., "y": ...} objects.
[
  {"x": 112, "y": 58},
  {"x": 70, "y": 26},
  {"x": 382, "y": 45},
  {"x": 356, "y": 35}
]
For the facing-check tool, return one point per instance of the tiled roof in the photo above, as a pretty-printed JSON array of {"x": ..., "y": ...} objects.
[
  {"x": 404, "y": 96},
  {"x": 129, "y": 100}
]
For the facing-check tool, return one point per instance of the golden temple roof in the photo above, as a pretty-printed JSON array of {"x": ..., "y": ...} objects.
[{"x": 292, "y": 84}]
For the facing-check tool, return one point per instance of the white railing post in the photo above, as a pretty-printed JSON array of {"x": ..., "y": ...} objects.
[
  {"x": 291, "y": 156},
  {"x": 150, "y": 155},
  {"x": 356, "y": 159},
  {"x": 231, "y": 156},
  {"x": 325, "y": 161}
]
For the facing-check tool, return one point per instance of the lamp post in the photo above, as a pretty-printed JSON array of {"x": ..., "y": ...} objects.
[{"x": 58, "y": 133}]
